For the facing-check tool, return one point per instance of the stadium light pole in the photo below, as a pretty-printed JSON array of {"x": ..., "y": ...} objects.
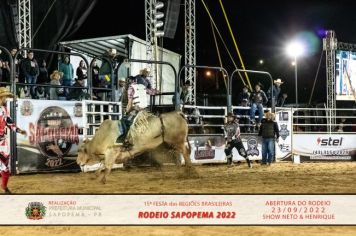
[{"x": 295, "y": 49}]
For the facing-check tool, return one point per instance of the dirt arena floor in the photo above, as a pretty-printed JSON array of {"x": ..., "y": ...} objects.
[
  {"x": 338, "y": 177},
  {"x": 279, "y": 178}
]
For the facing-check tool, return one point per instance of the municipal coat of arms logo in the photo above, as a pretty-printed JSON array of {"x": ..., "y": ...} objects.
[
  {"x": 252, "y": 145},
  {"x": 284, "y": 132},
  {"x": 26, "y": 108},
  {"x": 35, "y": 211}
]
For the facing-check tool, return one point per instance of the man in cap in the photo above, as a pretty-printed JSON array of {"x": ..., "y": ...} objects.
[
  {"x": 233, "y": 140},
  {"x": 276, "y": 91},
  {"x": 120, "y": 89},
  {"x": 108, "y": 67},
  {"x": 6, "y": 121},
  {"x": 269, "y": 132},
  {"x": 78, "y": 93}
]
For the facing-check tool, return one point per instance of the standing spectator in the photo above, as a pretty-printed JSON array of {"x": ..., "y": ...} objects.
[
  {"x": 107, "y": 68},
  {"x": 107, "y": 71},
  {"x": 121, "y": 89},
  {"x": 56, "y": 92},
  {"x": 258, "y": 99},
  {"x": 95, "y": 73},
  {"x": 282, "y": 100},
  {"x": 6, "y": 72},
  {"x": 95, "y": 77},
  {"x": 6, "y": 121},
  {"x": 276, "y": 88},
  {"x": 184, "y": 94},
  {"x": 30, "y": 69},
  {"x": 269, "y": 132},
  {"x": 42, "y": 79},
  {"x": 19, "y": 77},
  {"x": 67, "y": 69},
  {"x": 81, "y": 70},
  {"x": 233, "y": 140},
  {"x": 78, "y": 93}
]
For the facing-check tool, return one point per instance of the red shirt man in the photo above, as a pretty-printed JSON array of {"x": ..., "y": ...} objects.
[{"x": 5, "y": 121}]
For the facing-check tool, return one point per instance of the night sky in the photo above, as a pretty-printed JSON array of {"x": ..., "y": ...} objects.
[{"x": 261, "y": 28}]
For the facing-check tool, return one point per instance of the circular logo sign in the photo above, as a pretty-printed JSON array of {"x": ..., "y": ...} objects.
[{"x": 55, "y": 132}]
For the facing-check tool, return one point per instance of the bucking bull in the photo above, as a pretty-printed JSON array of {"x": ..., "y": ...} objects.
[{"x": 146, "y": 133}]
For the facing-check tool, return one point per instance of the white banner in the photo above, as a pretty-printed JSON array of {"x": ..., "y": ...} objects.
[
  {"x": 324, "y": 146},
  {"x": 211, "y": 149},
  {"x": 53, "y": 134},
  {"x": 284, "y": 121},
  {"x": 178, "y": 210}
]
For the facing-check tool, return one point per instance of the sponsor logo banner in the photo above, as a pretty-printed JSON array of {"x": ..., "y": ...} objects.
[
  {"x": 178, "y": 210},
  {"x": 325, "y": 146},
  {"x": 53, "y": 129}
]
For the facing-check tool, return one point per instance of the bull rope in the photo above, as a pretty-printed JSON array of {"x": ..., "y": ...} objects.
[
  {"x": 139, "y": 125},
  {"x": 162, "y": 127}
]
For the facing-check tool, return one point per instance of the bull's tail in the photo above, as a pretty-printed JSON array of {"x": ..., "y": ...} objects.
[
  {"x": 184, "y": 117},
  {"x": 189, "y": 146}
]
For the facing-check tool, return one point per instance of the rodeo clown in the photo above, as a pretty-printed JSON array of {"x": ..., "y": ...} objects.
[
  {"x": 5, "y": 121},
  {"x": 233, "y": 140}
]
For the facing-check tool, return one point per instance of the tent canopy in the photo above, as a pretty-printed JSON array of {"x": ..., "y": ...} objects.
[{"x": 96, "y": 47}]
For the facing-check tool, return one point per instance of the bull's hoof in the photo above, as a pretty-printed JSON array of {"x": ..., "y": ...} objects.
[
  {"x": 189, "y": 172},
  {"x": 192, "y": 173},
  {"x": 103, "y": 180},
  {"x": 94, "y": 176}
]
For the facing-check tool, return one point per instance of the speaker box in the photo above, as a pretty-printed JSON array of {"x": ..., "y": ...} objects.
[{"x": 172, "y": 16}]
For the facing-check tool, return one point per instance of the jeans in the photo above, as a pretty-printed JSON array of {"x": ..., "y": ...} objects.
[
  {"x": 66, "y": 82},
  {"x": 267, "y": 150},
  {"x": 254, "y": 107},
  {"x": 32, "y": 79}
]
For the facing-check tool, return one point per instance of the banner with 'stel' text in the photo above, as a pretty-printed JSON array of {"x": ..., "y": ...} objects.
[{"x": 178, "y": 210}]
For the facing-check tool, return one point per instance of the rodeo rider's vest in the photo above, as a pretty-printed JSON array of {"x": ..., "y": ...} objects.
[
  {"x": 140, "y": 99},
  {"x": 231, "y": 131}
]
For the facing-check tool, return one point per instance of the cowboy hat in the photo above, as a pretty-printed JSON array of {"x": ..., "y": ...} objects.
[
  {"x": 56, "y": 72},
  {"x": 278, "y": 81},
  {"x": 145, "y": 71},
  {"x": 5, "y": 92}
]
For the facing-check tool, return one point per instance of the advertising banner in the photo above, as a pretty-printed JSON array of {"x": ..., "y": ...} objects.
[
  {"x": 178, "y": 210},
  {"x": 210, "y": 148},
  {"x": 345, "y": 75},
  {"x": 284, "y": 121},
  {"x": 321, "y": 147},
  {"x": 54, "y": 131}
]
